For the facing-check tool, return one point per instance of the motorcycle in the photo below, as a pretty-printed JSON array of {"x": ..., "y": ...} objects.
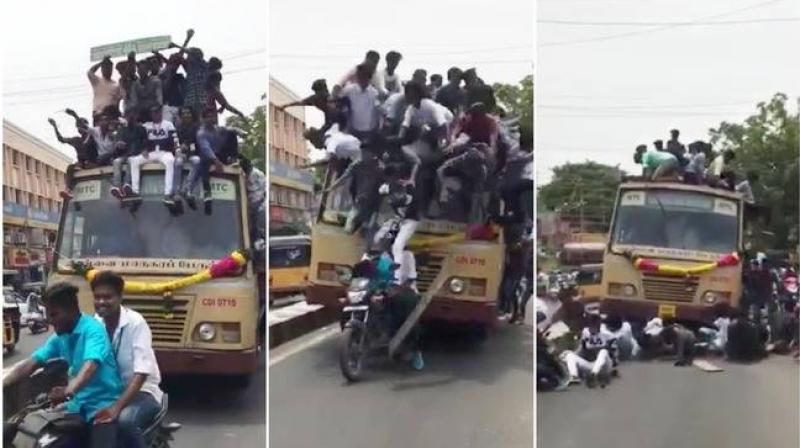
[
  {"x": 41, "y": 424},
  {"x": 551, "y": 372},
  {"x": 365, "y": 326}
]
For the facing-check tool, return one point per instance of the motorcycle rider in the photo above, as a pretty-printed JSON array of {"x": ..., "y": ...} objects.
[
  {"x": 132, "y": 345},
  {"x": 81, "y": 340}
]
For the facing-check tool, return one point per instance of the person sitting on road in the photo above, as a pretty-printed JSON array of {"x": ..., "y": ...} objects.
[
  {"x": 655, "y": 164},
  {"x": 595, "y": 359},
  {"x": 94, "y": 382},
  {"x": 161, "y": 143},
  {"x": 132, "y": 344},
  {"x": 682, "y": 340},
  {"x": 621, "y": 330}
]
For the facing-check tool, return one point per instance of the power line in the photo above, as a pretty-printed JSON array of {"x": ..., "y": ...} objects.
[
  {"x": 684, "y": 23},
  {"x": 654, "y": 29},
  {"x": 436, "y": 53}
]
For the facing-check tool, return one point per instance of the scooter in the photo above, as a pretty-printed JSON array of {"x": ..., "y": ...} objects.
[
  {"x": 41, "y": 424},
  {"x": 36, "y": 321}
]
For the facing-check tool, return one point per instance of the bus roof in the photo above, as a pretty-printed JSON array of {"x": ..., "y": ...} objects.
[
  {"x": 151, "y": 166},
  {"x": 657, "y": 185}
]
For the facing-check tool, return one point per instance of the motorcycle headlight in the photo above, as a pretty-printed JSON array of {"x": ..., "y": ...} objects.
[
  {"x": 356, "y": 296},
  {"x": 344, "y": 274},
  {"x": 206, "y": 332},
  {"x": 457, "y": 285},
  {"x": 359, "y": 284},
  {"x": 712, "y": 297}
]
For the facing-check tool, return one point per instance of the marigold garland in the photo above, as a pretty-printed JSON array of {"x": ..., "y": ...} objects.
[
  {"x": 646, "y": 265},
  {"x": 225, "y": 267}
]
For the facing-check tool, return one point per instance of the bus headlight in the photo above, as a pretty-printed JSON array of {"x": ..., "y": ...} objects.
[
  {"x": 457, "y": 285},
  {"x": 206, "y": 332},
  {"x": 621, "y": 289},
  {"x": 712, "y": 297}
]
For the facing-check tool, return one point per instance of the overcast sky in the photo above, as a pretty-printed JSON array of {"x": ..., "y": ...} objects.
[
  {"x": 597, "y": 100},
  {"x": 46, "y": 51},
  {"x": 310, "y": 40}
]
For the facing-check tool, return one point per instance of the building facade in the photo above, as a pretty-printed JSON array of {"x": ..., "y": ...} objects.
[
  {"x": 291, "y": 190},
  {"x": 33, "y": 176}
]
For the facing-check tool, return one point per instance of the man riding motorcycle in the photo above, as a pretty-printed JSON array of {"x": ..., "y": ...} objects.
[
  {"x": 81, "y": 340},
  {"x": 132, "y": 345}
]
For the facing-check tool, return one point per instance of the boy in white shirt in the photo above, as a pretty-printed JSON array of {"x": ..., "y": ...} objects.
[
  {"x": 162, "y": 141},
  {"x": 594, "y": 360}
]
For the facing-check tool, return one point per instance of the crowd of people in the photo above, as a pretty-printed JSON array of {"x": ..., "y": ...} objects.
[
  {"x": 159, "y": 109},
  {"x": 696, "y": 165},
  {"x": 768, "y": 320},
  {"x": 425, "y": 148}
]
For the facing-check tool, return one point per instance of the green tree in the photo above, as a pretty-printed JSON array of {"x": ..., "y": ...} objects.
[
  {"x": 254, "y": 146},
  {"x": 585, "y": 189},
  {"x": 517, "y": 99},
  {"x": 766, "y": 143}
]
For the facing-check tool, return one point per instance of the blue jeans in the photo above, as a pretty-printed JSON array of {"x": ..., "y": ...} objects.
[
  {"x": 139, "y": 414},
  {"x": 117, "y": 179}
]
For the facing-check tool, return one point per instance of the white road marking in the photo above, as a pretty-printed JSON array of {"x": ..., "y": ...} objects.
[{"x": 294, "y": 347}]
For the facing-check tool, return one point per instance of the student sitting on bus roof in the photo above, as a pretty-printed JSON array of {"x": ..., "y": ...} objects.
[
  {"x": 695, "y": 171},
  {"x": 131, "y": 140},
  {"x": 161, "y": 142},
  {"x": 209, "y": 138},
  {"x": 655, "y": 164},
  {"x": 714, "y": 173},
  {"x": 85, "y": 150}
]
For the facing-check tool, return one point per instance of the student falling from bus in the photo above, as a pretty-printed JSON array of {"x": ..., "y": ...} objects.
[
  {"x": 595, "y": 359},
  {"x": 406, "y": 218}
]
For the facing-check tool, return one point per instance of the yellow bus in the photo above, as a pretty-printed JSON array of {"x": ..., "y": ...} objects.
[
  {"x": 469, "y": 272},
  {"x": 673, "y": 251},
  {"x": 209, "y": 327},
  {"x": 289, "y": 258}
]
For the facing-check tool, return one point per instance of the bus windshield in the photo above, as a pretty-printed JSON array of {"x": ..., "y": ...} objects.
[
  {"x": 96, "y": 225},
  {"x": 677, "y": 220}
]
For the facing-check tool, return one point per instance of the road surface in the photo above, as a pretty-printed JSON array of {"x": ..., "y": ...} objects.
[
  {"x": 212, "y": 413},
  {"x": 470, "y": 394},
  {"x": 656, "y": 405}
]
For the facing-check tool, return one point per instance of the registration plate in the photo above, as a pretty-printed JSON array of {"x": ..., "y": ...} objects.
[
  {"x": 666, "y": 311},
  {"x": 356, "y": 308}
]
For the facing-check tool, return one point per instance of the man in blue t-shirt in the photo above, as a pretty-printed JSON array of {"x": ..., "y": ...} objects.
[{"x": 79, "y": 339}]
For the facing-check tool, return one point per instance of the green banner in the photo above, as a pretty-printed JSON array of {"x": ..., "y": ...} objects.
[{"x": 121, "y": 49}]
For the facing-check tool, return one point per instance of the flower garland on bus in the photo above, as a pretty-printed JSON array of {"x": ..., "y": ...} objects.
[
  {"x": 225, "y": 267},
  {"x": 646, "y": 265}
]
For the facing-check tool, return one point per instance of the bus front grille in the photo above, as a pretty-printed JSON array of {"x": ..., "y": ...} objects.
[
  {"x": 669, "y": 289},
  {"x": 166, "y": 318},
  {"x": 429, "y": 264}
]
